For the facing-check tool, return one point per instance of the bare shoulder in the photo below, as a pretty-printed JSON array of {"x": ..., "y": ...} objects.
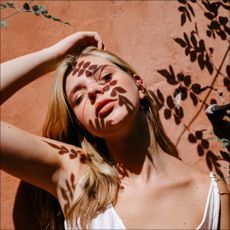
[
  {"x": 194, "y": 180},
  {"x": 190, "y": 174},
  {"x": 203, "y": 182},
  {"x": 198, "y": 184},
  {"x": 201, "y": 178}
]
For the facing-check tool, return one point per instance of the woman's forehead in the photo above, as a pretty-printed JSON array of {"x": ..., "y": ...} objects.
[
  {"x": 87, "y": 66},
  {"x": 92, "y": 60}
]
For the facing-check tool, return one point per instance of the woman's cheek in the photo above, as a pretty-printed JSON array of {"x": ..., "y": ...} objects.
[
  {"x": 79, "y": 112},
  {"x": 86, "y": 112}
]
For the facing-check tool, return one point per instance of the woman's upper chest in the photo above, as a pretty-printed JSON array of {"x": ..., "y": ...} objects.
[{"x": 177, "y": 207}]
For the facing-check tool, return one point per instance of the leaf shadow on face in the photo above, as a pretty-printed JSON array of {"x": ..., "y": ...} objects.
[{"x": 100, "y": 124}]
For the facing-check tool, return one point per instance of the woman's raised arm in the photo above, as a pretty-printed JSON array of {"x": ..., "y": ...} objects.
[
  {"x": 35, "y": 159},
  {"x": 20, "y": 71}
]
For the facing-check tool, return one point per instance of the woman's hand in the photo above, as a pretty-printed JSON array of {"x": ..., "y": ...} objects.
[
  {"x": 75, "y": 43},
  {"x": 20, "y": 71}
]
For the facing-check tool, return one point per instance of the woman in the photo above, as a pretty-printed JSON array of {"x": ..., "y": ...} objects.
[{"x": 105, "y": 155}]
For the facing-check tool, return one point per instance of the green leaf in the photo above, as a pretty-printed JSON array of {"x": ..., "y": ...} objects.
[
  {"x": 39, "y": 9},
  {"x": 35, "y": 7},
  {"x": 54, "y": 19},
  {"x": 43, "y": 9},
  {"x": 26, "y": 6},
  {"x": 48, "y": 16},
  {"x": 4, "y": 24},
  {"x": 37, "y": 13}
]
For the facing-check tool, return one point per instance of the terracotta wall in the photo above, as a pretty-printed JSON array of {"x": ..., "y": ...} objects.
[{"x": 143, "y": 33}]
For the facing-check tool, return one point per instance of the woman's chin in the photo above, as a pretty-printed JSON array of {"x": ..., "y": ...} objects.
[
  {"x": 112, "y": 123},
  {"x": 117, "y": 118}
]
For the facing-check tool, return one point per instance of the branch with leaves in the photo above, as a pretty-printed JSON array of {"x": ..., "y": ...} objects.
[{"x": 27, "y": 8}]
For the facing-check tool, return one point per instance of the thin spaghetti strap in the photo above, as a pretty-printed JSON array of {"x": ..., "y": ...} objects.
[{"x": 211, "y": 214}]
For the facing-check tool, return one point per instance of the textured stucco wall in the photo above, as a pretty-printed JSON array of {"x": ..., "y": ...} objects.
[{"x": 141, "y": 32}]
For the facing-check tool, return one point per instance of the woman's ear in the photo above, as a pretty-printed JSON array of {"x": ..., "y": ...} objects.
[{"x": 140, "y": 85}]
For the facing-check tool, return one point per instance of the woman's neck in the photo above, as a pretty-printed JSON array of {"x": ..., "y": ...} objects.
[{"x": 135, "y": 151}]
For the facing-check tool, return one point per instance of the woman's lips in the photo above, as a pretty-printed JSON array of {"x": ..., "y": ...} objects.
[{"x": 104, "y": 108}]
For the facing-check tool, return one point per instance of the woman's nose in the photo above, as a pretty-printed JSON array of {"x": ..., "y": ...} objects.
[{"x": 93, "y": 90}]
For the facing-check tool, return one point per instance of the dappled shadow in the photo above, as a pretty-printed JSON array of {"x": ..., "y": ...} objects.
[
  {"x": 101, "y": 123},
  {"x": 69, "y": 186},
  {"x": 212, "y": 161},
  {"x": 115, "y": 91},
  {"x": 67, "y": 192},
  {"x": 185, "y": 87},
  {"x": 72, "y": 153},
  {"x": 84, "y": 68},
  {"x": 217, "y": 27},
  {"x": 202, "y": 144},
  {"x": 196, "y": 49},
  {"x": 217, "y": 24}
]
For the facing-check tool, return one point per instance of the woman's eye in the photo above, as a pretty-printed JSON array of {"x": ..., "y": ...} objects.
[{"x": 107, "y": 77}]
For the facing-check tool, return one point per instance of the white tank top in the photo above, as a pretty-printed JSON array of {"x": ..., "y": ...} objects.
[{"x": 109, "y": 219}]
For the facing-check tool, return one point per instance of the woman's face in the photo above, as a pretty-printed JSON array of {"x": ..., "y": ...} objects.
[{"x": 101, "y": 95}]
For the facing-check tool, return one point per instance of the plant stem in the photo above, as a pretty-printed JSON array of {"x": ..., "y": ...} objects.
[
  {"x": 10, "y": 15},
  {"x": 200, "y": 6},
  {"x": 18, "y": 11},
  {"x": 205, "y": 99}
]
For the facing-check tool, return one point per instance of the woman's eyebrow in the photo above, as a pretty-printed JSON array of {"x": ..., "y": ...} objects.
[
  {"x": 96, "y": 73},
  {"x": 98, "y": 70}
]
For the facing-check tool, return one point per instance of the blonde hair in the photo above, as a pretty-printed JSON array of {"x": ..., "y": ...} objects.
[{"x": 100, "y": 185}]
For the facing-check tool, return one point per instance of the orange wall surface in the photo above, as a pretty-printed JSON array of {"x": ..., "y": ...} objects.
[{"x": 143, "y": 33}]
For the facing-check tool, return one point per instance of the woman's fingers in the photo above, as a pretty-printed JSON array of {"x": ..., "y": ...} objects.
[
  {"x": 78, "y": 41},
  {"x": 99, "y": 40},
  {"x": 87, "y": 38}
]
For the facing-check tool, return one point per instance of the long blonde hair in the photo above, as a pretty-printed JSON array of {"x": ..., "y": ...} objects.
[{"x": 100, "y": 185}]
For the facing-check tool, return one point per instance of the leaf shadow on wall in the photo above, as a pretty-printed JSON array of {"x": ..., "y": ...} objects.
[{"x": 185, "y": 87}]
